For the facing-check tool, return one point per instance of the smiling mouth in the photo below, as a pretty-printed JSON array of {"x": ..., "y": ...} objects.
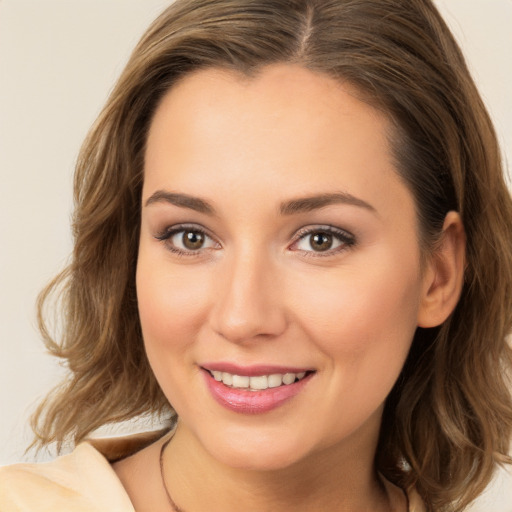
[
  {"x": 257, "y": 382},
  {"x": 254, "y": 389}
]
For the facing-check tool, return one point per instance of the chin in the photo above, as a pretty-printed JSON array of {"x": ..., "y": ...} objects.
[
  {"x": 257, "y": 451},
  {"x": 258, "y": 460}
]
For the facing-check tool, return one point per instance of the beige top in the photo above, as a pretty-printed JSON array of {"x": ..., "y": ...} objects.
[{"x": 84, "y": 480}]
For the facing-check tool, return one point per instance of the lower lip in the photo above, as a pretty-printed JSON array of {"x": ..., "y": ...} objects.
[{"x": 253, "y": 402}]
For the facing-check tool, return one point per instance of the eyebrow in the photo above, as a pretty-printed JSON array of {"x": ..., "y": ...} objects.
[
  {"x": 292, "y": 207},
  {"x": 307, "y": 204},
  {"x": 181, "y": 200}
]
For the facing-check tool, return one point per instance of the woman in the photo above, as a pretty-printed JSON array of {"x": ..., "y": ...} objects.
[{"x": 292, "y": 226}]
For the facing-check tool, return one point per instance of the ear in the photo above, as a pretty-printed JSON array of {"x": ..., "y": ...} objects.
[{"x": 444, "y": 274}]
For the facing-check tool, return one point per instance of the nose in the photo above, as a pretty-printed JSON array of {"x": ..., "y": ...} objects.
[{"x": 249, "y": 303}]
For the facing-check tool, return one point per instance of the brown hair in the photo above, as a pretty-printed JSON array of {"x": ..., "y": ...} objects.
[{"x": 448, "y": 420}]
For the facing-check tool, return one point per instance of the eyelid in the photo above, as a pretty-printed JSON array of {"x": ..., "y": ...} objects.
[
  {"x": 348, "y": 240},
  {"x": 166, "y": 234}
]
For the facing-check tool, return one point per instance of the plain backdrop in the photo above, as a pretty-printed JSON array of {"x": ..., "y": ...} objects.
[{"x": 58, "y": 62}]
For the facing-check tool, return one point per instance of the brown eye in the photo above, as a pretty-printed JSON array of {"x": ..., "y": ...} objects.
[
  {"x": 185, "y": 240},
  {"x": 321, "y": 241},
  {"x": 193, "y": 240},
  {"x": 327, "y": 240}
]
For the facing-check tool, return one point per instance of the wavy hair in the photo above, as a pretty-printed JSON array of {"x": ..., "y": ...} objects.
[{"x": 448, "y": 421}]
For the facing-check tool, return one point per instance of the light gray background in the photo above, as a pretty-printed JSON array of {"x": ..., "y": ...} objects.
[{"x": 58, "y": 61}]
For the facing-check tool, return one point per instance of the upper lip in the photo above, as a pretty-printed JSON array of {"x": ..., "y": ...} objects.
[{"x": 253, "y": 370}]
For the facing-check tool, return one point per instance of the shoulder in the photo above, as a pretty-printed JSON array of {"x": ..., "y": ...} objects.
[{"x": 81, "y": 481}]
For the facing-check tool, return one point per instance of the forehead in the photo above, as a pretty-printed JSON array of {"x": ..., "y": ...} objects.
[
  {"x": 287, "y": 130},
  {"x": 282, "y": 89},
  {"x": 282, "y": 103}
]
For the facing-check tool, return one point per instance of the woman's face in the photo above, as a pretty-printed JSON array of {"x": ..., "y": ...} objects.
[{"x": 278, "y": 277}]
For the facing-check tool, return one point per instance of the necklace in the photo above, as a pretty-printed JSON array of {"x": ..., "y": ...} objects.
[{"x": 174, "y": 507}]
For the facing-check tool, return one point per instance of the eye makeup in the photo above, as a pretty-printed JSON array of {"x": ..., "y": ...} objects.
[
  {"x": 312, "y": 241},
  {"x": 322, "y": 241}
]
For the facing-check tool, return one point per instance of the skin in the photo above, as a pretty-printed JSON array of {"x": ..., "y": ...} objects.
[{"x": 257, "y": 291}]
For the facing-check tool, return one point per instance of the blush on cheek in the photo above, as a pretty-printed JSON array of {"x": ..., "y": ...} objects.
[
  {"x": 170, "y": 302},
  {"x": 376, "y": 309},
  {"x": 169, "y": 320}
]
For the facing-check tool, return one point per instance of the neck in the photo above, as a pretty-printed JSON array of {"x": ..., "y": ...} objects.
[{"x": 338, "y": 478}]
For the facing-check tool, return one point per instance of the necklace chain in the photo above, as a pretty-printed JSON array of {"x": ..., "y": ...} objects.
[{"x": 174, "y": 507}]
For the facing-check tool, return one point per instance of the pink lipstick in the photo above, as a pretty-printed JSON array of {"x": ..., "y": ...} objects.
[{"x": 254, "y": 389}]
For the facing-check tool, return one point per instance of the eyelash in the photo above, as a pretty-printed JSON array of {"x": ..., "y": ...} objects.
[
  {"x": 346, "y": 239},
  {"x": 166, "y": 235}
]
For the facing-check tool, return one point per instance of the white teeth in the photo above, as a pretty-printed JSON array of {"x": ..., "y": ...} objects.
[
  {"x": 275, "y": 380},
  {"x": 227, "y": 378},
  {"x": 257, "y": 383},
  {"x": 240, "y": 381},
  {"x": 260, "y": 382},
  {"x": 288, "y": 378}
]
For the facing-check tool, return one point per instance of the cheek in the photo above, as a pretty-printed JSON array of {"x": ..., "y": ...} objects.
[
  {"x": 364, "y": 318},
  {"x": 170, "y": 303},
  {"x": 170, "y": 309},
  {"x": 364, "y": 324}
]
